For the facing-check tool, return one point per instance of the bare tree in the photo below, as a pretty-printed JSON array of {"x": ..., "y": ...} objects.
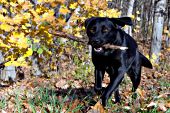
[
  {"x": 129, "y": 13},
  {"x": 159, "y": 10},
  {"x": 168, "y": 38}
]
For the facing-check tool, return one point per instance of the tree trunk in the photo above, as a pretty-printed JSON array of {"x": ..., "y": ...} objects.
[
  {"x": 168, "y": 36},
  {"x": 129, "y": 13},
  {"x": 159, "y": 8},
  {"x": 7, "y": 73}
]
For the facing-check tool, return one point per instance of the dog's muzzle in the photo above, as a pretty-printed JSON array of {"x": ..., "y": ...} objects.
[{"x": 97, "y": 45}]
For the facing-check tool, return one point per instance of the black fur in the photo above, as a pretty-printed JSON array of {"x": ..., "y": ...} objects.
[{"x": 115, "y": 62}]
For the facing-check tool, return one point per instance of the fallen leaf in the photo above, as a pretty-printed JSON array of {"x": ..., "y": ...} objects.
[
  {"x": 98, "y": 108},
  {"x": 152, "y": 104},
  {"x": 62, "y": 84},
  {"x": 165, "y": 95},
  {"x": 162, "y": 107},
  {"x": 167, "y": 105},
  {"x": 141, "y": 92},
  {"x": 2, "y": 111}
]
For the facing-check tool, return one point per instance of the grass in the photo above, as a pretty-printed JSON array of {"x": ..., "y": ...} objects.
[
  {"x": 45, "y": 100},
  {"x": 18, "y": 104},
  {"x": 3, "y": 103}
]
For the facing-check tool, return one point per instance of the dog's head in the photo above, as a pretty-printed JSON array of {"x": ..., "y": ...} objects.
[{"x": 102, "y": 30}]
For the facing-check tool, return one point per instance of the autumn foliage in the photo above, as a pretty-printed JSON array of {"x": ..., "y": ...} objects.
[{"x": 30, "y": 27}]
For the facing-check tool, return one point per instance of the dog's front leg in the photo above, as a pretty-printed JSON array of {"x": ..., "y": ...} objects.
[
  {"x": 99, "y": 74},
  {"x": 115, "y": 80}
]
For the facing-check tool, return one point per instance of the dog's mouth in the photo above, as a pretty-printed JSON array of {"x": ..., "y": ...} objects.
[{"x": 99, "y": 49}]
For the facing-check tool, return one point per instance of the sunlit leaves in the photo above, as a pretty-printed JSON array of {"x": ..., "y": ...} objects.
[
  {"x": 48, "y": 16},
  {"x": 28, "y": 53},
  {"x": 6, "y": 27},
  {"x": 109, "y": 13},
  {"x": 64, "y": 10},
  {"x": 30, "y": 25},
  {"x": 73, "y": 5},
  {"x": 137, "y": 12},
  {"x": 18, "y": 39},
  {"x": 40, "y": 51}
]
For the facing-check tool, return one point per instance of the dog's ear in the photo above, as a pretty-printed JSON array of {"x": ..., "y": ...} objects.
[
  {"x": 87, "y": 21},
  {"x": 122, "y": 21}
]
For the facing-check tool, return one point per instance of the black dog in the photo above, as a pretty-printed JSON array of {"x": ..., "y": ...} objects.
[{"x": 115, "y": 62}]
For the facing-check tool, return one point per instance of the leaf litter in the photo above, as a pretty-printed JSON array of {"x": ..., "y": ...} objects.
[{"x": 78, "y": 96}]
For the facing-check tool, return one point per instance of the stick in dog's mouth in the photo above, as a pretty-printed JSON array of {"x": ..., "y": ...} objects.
[{"x": 109, "y": 46}]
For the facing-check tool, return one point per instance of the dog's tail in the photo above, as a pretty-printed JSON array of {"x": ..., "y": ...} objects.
[{"x": 145, "y": 61}]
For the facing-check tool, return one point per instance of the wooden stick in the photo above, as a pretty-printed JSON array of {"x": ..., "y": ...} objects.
[
  {"x": 109, "y": 46},
  {"x": 68, "y": 36}
]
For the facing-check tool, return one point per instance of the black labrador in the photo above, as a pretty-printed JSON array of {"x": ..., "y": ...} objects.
[{"x": 116, "y": 62}]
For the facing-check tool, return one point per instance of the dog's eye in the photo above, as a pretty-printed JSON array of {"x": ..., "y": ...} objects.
[
  {"x": 115, "y": 26},
  {"x": 93, "y": 30},
  {"x": 105, "y": 30}
]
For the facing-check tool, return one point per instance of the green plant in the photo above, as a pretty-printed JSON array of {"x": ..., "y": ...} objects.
[{"x": 3, "y": 103}]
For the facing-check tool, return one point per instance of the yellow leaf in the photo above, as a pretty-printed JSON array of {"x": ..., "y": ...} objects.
[
  {"x": 132, "y": 16},
  {"x": 2, "y": 18},
  {"x": 154, "y": 57},
  {"x": 4, "y": 1},
  {"x": 36, "y": 40},
  {"x": 27, "y": 24},
  {"x": 16, "y": 63},
  {"x": 137, "y": 12},
  {"x": 147, "y": 56},
  {"x": 60, "y": 1},
  {"x": 18, "y": 39},
  {"x": 49, "y": 52},
  {"x": 112, "y": 13},
  {"x": 13, "y": 4},
  {"x": 26, "y": 15},
  {"x": 4, "y": 10},
  {"x": 6, "y": 27},
  {"x": 73, "y": 6},
  {"x": 28, "y": 53},
  {"x": 27, "y": 5},
  {"x": 98, "y": 106},
  {"x": 64, "y": 10},
  {"x": 24, "y": 27},
  {"x": 61, "y": 21},
  {"x": 20, "y": 59},
  {"x": 48, "y": 16},
  {"x": 3, "y": 45},
  {"x": 18, "y": 18},
  {"x": 8, "y": 63},
  {"x": 40, "y": 1},
  {"x": 102, "y": 13},
  {"x": 78, "y": 34},
  {"x": 20, "y": 1}
]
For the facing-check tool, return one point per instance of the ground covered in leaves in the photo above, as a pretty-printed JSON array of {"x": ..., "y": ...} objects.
[{"x": 68, "y": 93}]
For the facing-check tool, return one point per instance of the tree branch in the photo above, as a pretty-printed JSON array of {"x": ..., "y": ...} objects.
[{"x": 69, "y": 36}]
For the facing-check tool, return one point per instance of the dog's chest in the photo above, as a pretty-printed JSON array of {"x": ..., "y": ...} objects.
[{"x": 107, "y": 58}]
